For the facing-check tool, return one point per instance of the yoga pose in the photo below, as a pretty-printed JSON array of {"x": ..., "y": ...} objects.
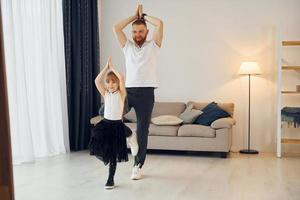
[
  {"x": 141, "y": 74},
  {"x": 108, "y": 138}
]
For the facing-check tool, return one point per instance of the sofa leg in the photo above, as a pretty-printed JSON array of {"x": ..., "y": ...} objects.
[{"x": 223, "y": 154}]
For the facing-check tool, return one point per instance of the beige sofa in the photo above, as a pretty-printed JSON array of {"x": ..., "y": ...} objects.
[{"x": 188, "y": 137}]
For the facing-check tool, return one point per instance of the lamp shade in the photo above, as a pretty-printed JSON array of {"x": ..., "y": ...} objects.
[{"x": 249, "y": 68}]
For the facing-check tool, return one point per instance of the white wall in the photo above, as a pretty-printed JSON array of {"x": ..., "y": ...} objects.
[{"x": 204, "y": 43}]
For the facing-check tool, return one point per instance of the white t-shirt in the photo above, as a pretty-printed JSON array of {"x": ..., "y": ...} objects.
[
  {"x": 141, "y": 64},
  {"x": 113, "y": 105}
]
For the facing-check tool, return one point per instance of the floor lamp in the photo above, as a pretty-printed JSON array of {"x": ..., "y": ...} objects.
[{"x": 249, "y": 68}]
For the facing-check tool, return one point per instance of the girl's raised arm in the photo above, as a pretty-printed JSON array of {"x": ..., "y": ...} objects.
[{"x": 99, "y": 80}]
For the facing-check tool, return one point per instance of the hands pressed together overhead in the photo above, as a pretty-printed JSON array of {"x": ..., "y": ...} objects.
[{"x": 139, "y": 12}]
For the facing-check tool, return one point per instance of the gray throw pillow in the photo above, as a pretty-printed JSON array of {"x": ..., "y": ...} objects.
[{"x": 190, "y": 115}]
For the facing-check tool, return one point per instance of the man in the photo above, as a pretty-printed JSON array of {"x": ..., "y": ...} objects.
[{"x": 141, "y": 74}]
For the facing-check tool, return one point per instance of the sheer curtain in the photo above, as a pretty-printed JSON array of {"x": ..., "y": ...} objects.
[{"x": 35, "y": 62}]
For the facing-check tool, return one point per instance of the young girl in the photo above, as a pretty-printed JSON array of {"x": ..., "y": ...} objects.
[{"x": 108, "y": 138}]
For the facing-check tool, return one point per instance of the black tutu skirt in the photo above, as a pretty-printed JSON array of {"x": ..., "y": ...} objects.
[{"x": 108, "y": 141}]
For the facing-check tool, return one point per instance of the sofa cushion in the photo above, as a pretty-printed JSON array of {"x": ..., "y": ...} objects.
[
  {"x": 226, "y": 122},
  {"x": 164, "y": 120},
  {"x": 96, "y": 120},
  {"x": 228, "y": 107},
  {"x": 159, "y": 108},
  {"x": 131, "y": 115},
  {"x": 211, "y": 113},
  {"x": 157, "y": 130},
  {"x": 195, "y": 130},
  {"x": 190, "y": 115},
  {"x": 163, "y": 130},
  {"x": 168, "y": 108}
]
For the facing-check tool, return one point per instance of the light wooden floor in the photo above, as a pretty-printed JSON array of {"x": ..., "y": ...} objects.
[{"x": 78, "y": 176}]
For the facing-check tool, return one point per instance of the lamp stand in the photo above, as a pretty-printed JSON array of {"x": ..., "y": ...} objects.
[{"x": 249, "y": 151}]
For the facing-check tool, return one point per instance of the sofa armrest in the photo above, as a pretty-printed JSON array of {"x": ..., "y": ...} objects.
[
  {"x": 95, "y": 120},
  {"x": 226, "y": 122}
]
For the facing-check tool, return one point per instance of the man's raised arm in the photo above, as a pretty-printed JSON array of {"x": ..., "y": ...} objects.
[
  {"x": 158, "y": 23},
  {"x": 118, "y": 28}
]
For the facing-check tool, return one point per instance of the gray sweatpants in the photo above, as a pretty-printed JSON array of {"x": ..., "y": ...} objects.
[{"x": 142, "y": 100}]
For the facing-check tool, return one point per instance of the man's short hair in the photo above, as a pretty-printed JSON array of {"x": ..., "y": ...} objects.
[{"x": 139, "y": 22}]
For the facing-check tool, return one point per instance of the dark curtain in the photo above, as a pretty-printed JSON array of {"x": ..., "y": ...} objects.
[{"x": 82, "y": 65}]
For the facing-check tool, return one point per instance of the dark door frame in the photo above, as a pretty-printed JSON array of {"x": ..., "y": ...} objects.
[{"x": 6, "y": 170}]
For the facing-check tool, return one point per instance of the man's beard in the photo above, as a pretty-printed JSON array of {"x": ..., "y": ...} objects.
[{"x": 140, "y": 42}]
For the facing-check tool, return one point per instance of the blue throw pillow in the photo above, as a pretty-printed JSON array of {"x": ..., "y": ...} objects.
[{"x": 211, "y": 113}]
